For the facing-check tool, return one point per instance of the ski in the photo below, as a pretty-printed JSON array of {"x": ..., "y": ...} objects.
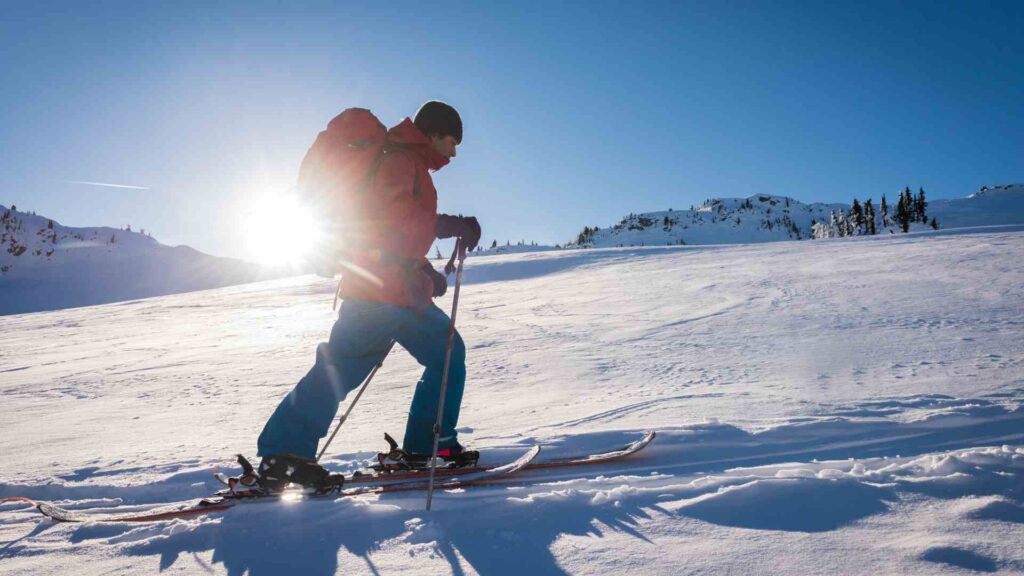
[
  {"x": 226, "y": 500},
  {"x": 356, "y": 485},
  {"x": 167, "y": 512},
  {"x": 386, "y": 478}
]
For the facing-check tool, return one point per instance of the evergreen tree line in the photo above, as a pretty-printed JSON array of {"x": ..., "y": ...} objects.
[
  {"x": 864, "y": 220},
  {"x": 587, "y": 236}
]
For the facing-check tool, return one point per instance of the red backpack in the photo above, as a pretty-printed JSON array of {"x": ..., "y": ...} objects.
[{"x": 338, "y": 167}]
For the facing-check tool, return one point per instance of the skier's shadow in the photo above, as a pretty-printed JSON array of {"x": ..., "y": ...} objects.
[
  {"x": 311, "y": 538},
  {"x": 270, "y": 538},
  {"x": 517, "y": 536},
  {"x": 9, "y": 548}
]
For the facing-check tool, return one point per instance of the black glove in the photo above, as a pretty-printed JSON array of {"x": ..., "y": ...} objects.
[
  {"x": 465, "y": 227},
  {"x": 439, "y": 280}
]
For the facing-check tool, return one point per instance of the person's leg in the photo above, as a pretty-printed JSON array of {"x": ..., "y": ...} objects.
[
  {"x": 425, "y": 337},
  {"x": 358, "y": 340}
]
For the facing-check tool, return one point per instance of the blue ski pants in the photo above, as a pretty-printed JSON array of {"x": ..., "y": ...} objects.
[{"x": 358, "y": 342}]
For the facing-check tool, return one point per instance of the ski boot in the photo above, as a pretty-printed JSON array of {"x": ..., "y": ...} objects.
[
  {"x": 277, "y": 471},
  {"x": 397, "y": 459}
]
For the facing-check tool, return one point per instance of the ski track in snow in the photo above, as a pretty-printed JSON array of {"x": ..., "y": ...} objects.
[{"x": 852, "y": 406}]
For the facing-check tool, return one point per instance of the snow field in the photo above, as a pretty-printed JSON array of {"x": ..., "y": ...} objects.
[{"x": 844, "y": 406}]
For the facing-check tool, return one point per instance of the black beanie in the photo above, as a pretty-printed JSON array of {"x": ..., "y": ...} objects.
[{"x": 439, "y": 118}]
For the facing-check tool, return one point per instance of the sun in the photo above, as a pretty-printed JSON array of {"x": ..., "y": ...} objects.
[{"x": 279, "y": 230}]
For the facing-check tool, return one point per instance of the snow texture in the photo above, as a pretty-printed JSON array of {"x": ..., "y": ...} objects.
[{"x": 843, "y": 406}]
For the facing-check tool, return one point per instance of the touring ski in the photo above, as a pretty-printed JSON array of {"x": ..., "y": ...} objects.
[
  {"x": 385, "y": 478},
  {"x": 416, "y": 480},
  {"x": 226, "y": 499}
]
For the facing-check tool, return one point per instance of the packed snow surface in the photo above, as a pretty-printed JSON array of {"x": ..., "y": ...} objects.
[{"x": 843, "y": 406}]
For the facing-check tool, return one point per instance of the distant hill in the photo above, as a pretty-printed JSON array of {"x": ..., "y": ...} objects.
[
  {"x": 757, "y": 218},
  {"x": 768, "y": 218},
  {"x": 47, "y": 266},
  {"x": 988, "y": 206}
]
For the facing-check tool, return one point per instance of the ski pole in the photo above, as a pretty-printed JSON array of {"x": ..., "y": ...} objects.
[
  {"x": 366, "y": 384},
  {"x": 461, "y": 250}
]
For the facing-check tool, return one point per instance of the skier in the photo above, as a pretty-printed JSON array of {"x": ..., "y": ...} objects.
[{"x": 387, "y": 286}]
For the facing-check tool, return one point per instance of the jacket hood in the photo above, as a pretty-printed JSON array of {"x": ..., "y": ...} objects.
[{"x": 407, "y": 135}]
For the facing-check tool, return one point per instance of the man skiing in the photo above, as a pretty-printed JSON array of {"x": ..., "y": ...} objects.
[{"x": 388, "y": 286}]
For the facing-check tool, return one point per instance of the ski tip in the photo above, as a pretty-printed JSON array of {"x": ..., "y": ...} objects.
[
  {"x": 526, "y": 458},
  {"x": 647, "y": 438}
]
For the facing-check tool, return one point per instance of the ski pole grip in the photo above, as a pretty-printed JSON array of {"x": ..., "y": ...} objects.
[{"x": 460, "y": 252}]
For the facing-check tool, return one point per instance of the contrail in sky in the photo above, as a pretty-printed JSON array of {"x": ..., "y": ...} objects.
[{"x": 105, "y": 184}]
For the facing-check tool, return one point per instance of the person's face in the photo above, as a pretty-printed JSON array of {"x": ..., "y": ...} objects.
[{"x": 444, "y": 145}]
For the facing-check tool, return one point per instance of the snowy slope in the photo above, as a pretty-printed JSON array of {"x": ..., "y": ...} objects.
[
  {"x": 988, "y": 206},
  {"x": 767, "y": 218},
  {"x": 841, "y": 406},
  {"x": 46, "y": 266},
  {"x": 757, "y": 218}
]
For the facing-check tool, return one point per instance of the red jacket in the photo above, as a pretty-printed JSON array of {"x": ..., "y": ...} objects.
[{"x": 399, "y": 213}]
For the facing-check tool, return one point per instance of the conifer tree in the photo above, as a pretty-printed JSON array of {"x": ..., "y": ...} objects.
[
  {"x": 869, "y": 217},
  {"x": 885, "y": 212},
  {"x": 856, "y": 217},
  {"x": 922, "y": 205},
  {"x": 901, "y": 208},
  {"x": 903, "y": 211}
]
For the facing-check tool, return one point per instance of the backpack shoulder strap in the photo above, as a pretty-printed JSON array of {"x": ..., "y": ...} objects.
[{"x": 390, "y": 147}]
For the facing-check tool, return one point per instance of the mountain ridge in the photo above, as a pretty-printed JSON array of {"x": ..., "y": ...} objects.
[
  {"x": 772, "y": 218},
  {"x": 47, "y": 266}
]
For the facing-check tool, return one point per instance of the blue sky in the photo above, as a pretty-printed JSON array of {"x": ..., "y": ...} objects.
[{"x": 576, "y": 113}]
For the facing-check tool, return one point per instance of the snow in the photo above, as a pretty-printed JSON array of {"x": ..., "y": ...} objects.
[
  {"x": 998, "y": 204},
  {"x": 851, "y": 405}
]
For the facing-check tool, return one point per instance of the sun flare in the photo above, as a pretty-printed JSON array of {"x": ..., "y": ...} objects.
[{"x": 280, "y": 230}]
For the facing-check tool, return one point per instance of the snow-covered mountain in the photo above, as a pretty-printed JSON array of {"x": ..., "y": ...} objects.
[
  {"x": 757, "y": 218},
  {"x": 768, "y": 218},
  {"x": 47, "y": 266},
  {"x": 991, "y": 205}
]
